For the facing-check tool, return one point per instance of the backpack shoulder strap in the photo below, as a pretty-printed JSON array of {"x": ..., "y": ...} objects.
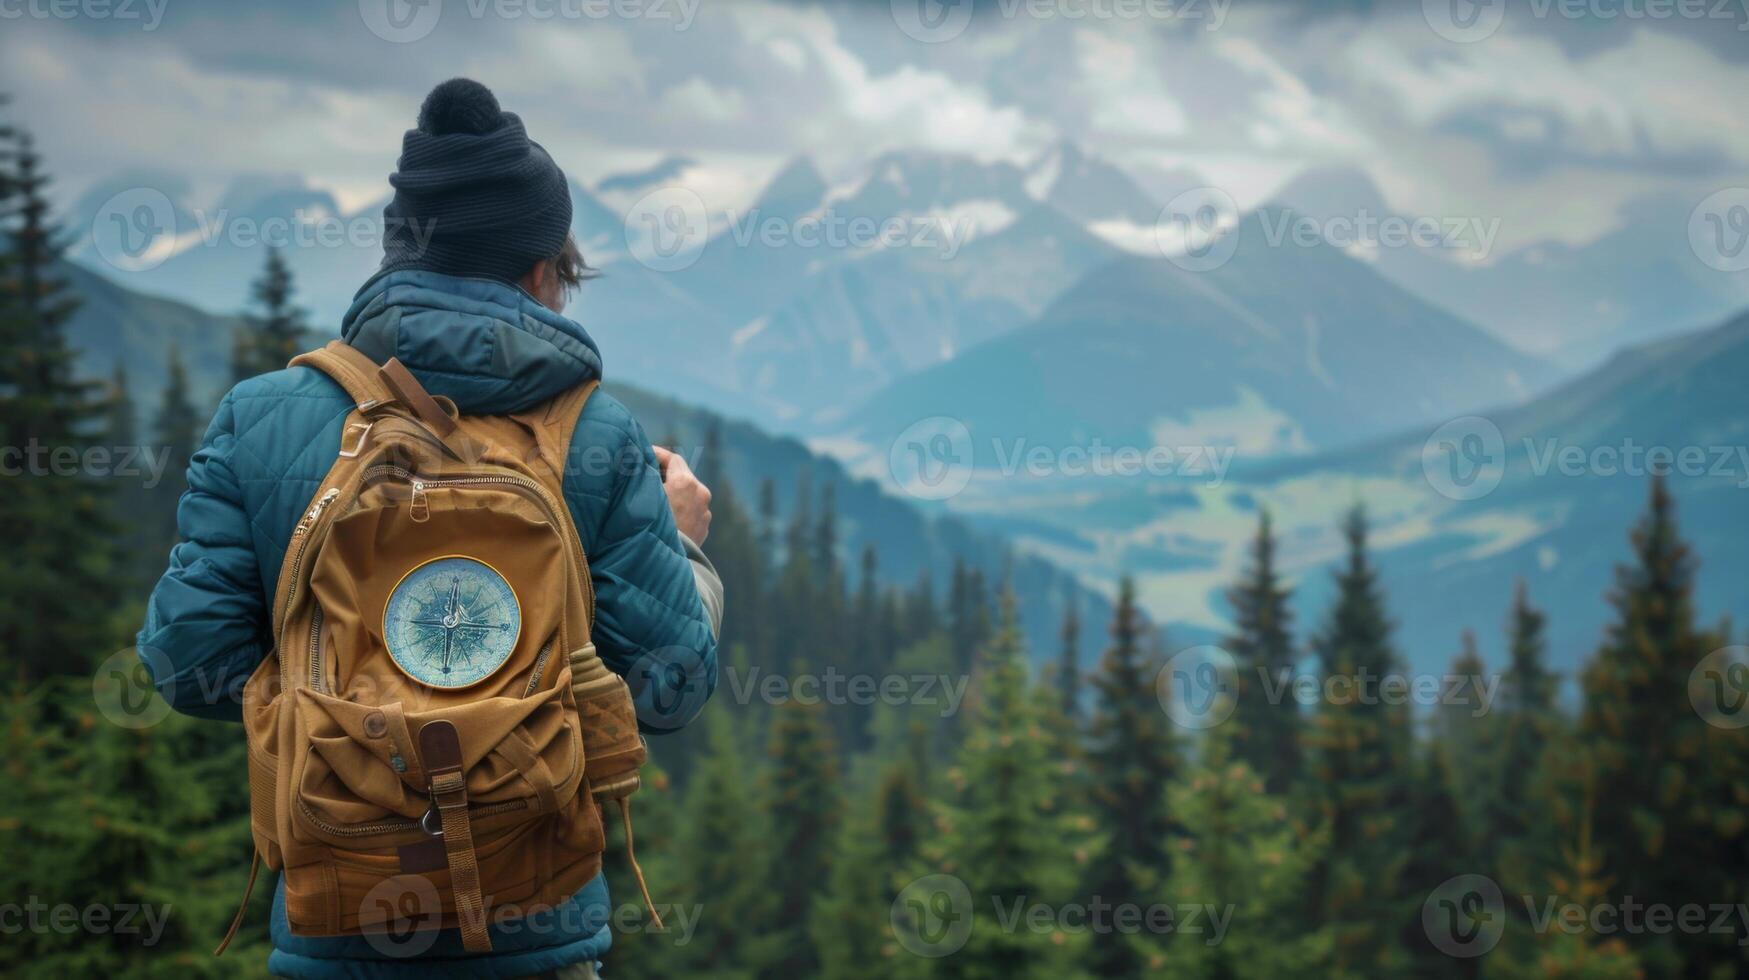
[
  {"x": 351, "y": 369},
  {"x": 555, "y": 422},
  {"x": 371, "y": 386}
]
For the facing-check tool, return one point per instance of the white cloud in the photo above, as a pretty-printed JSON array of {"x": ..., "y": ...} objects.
[
  {"x": 698, "y": 100},
  {"x": 1126, "y": 94},
  {"x": 1655, "y": 88},
  {"x": 867, "y": 112}
]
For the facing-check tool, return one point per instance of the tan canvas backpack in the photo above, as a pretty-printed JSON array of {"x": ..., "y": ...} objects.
[{"x": 434, "y": 721}]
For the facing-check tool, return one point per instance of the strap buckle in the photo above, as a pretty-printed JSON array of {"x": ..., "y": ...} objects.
[{"x": 350, "y": 447}]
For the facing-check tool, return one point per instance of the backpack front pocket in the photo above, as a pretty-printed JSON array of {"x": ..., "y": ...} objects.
[{"x": 362, "y": 775}]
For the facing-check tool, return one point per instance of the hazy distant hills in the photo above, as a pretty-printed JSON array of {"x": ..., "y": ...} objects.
[
  {"x": 1577, "y": 304},
  {"x": 1280, "y": 350},
  {"x": 1449, "y": 558}
]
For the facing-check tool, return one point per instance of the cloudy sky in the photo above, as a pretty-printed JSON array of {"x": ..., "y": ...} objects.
[{"x": 1551, "y": 114}]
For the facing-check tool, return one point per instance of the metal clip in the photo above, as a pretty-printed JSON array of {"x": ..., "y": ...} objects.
[{"x": 363, "y": 430}]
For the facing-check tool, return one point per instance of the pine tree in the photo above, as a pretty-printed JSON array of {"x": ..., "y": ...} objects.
[
  {"x": 1267, "y": 718},
  {"x": 177, "y": 429},
  {"x": 796, "y": 599},
  {"x": 1130, "y": 760},
  {"x": 922, "y": 618},
  {"x": 1578, "y": 877},
  {"x": 1526, "y": 724},
  {"x": 1005, "y": 836},
  {"x": 1465, "y": 733},
  {"x": 1069, "y": 662},
  {"x": 721, "y": 854},
  {"x": 128, "y": 495},
  {"x": 1661, "y": 831},
  {"x": 875, "y": 855},
  {"x": 1439, "y": 848},
  {"x": 61, "y": 563},
  {"x": 768, "y": 521},
  {"x": 1243, "y": 861},
  {"x": 1356, "y": 744},
  {"x": 278, "y": 333},
  {"x": 801, "y": 824}
]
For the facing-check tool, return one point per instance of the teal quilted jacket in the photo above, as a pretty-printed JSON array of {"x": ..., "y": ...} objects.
[{"x": 493, "y": 349}]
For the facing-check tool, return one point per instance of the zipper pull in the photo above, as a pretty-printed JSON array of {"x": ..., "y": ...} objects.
[
  {"x": 309, "y": 520},
  {"x": 420, "y": 508}
]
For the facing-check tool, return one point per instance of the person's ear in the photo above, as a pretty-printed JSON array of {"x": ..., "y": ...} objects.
[{"x": 535, "y": 279}]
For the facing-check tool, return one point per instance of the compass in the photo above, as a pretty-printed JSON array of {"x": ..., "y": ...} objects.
[{"x": 451, "y": 622}]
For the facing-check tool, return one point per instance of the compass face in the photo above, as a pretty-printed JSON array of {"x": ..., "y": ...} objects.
[{"x": 452, "y": 622}]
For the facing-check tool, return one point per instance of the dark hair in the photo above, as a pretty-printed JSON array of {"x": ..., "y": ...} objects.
[{"x": 569, "y": 266}]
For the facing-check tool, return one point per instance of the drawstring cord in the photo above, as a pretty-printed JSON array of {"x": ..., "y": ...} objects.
[
  {"x": 625, "y": 816},
  {"x": 242, "y": 906}
]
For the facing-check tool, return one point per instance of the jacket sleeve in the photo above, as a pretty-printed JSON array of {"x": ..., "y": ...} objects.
[
  {"x": 206, "y": 621},
  {"x": 651, "y": 626}
]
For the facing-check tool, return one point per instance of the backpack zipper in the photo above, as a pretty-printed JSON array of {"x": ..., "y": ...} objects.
[
  {"x": 316, "y": 650},
  {"x": 540, "y": 666},
  {"x": 398, "y": 823},
  {"x": 315, "y": 512},
  {"x": 560, "y": 517}
]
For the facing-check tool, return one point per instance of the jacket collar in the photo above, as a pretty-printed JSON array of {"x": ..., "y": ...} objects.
[{"x": 488, "y": 345}]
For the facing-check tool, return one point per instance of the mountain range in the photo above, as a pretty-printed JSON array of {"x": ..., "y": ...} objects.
[
  {"x": 1034, "y": 306},
  {"x": 1554, "y": 487}
]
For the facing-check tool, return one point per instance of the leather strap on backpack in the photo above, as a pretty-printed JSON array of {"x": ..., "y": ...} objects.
[
  {"x": 371, "y": 386},
  {"x": 440, "y": 750}
]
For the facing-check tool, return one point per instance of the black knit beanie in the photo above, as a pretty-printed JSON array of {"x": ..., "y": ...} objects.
[{"x": 474, "y": 196}]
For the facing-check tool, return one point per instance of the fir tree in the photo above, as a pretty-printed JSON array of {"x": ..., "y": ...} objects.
[
  {"x": 1005, "y": 836},
  {"x": 801, "y": 824},
  {"x": 875, "y": 854},
  {"x": 1268, "y": 720},
  {"x": 1440, "y": 848},
  {"x": 1356, "y": 741},
  {"x": 720, "y": 852},
  {"x": 1464, "y": 732},
  {"x": 128, "y": 497},
  {"x": 278, "y": 332},
  {"x": 177, "y": 429},
  {"x": 1243, "y": 862},
  {"x": 56, "y": 520},
  {"x": 1578, "y": 877},
  {"x": 1660, "y": 833},
  {"x": 1527, "y": 720},
  {"x": 1130, "y": 760},
  {"x": 1069, "y": 662}
]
